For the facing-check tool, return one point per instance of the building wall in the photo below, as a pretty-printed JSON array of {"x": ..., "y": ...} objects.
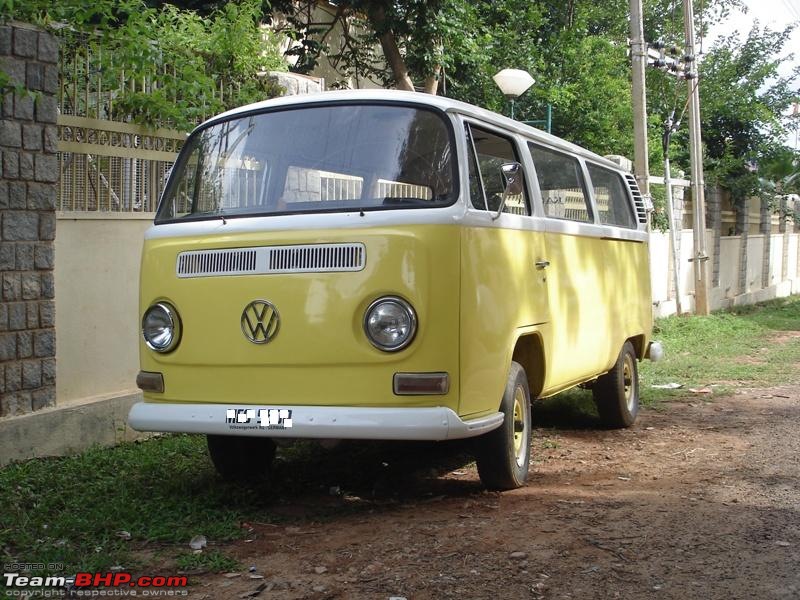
[
  {"x": 28, "y": 176},
  {"x": 335, "y": 75}
]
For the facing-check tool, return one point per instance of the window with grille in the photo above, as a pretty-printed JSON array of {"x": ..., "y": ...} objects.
[
  {"x": 613, "y": 204},
  {"x": 561, "y": 184}
]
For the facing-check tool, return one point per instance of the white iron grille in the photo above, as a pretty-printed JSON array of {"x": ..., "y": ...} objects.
[{"x": 315, "y": 258}]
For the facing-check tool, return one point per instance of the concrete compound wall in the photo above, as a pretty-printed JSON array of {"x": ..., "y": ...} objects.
[
  {"x": 741, "y": 270},
  {"x": 96, "y": 316},
  {"x": 97, "y": 304}
]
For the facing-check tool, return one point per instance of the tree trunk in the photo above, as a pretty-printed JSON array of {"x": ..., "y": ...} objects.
[
  {"x": 432, "y": 81},
  {"x": 390, "y": 50}
]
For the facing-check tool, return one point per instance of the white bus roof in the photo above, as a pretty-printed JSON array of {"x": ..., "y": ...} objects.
[{"x": 421, "y": 99}]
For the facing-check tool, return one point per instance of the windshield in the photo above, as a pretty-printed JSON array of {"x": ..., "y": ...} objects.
[{"x": 312, "y": 159}]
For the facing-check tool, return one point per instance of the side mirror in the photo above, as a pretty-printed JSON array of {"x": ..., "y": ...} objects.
[{"x": 512, "y": 176}]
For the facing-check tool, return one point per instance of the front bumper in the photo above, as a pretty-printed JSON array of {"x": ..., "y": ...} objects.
[{"x": 314, "y": 422}]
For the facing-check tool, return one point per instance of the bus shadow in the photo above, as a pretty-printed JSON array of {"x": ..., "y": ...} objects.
[
  {"x": 375, "y": 471},
  {"x": 573, "y": 409},
  {"x": 410, "y": 470},
  {"x": 309, "y": 478}
]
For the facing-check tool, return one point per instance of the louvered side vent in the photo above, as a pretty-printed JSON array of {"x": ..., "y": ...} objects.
[
  {"x": 314, "y": 258},
  {"x": 206, "y": 263},
  {"x": 319, "y": 258},
  {"x": 638, "y": 200}
]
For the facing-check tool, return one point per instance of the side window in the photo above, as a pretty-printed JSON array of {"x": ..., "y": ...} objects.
[
  {"x": 486, "y": 181},
  {"x": 561, "y": 184},
  {"x": 613, "y": 205}
]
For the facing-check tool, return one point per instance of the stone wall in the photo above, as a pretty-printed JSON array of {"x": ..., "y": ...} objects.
[
  {"x": 28, "y": 177},
  {"x": 295, "y": 83}
]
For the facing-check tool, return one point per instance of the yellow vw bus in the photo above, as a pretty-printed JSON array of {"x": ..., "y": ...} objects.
[{"x": 387, "y": 265}]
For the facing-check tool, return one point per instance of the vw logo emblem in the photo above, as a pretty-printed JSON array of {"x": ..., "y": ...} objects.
[{"x": 260, "y": 321}]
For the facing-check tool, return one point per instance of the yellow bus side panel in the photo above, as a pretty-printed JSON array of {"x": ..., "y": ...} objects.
[
  {"x": 501, "y": 292},
  {"x": 593, "y": 296},
  {"x": 599, "y": 292}
]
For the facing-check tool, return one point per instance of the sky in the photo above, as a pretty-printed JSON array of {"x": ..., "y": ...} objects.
[{"x": 778, "y": 14}]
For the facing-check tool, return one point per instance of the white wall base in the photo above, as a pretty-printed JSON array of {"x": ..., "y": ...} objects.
[{"x": 67, "y": 429}]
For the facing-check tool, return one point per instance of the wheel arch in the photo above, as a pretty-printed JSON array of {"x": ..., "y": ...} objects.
[
  {"x": 638, "y": 342},
  {"x": 529, "y": 353}
]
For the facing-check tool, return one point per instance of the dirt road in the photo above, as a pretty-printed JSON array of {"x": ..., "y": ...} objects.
[{"x": 701, "y": 499}]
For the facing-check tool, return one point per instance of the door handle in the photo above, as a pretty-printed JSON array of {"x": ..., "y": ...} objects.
[{"x": 542, "y": 264}]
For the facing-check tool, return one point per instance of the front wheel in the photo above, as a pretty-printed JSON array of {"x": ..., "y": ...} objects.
[
  {"x": 616, "y": 393},
  {"x": 242, "y": 459},
  {"x": 503, "y": 455}
]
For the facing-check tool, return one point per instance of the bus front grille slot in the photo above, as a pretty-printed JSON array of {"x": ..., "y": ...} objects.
[{"x": 266, "y": 260}]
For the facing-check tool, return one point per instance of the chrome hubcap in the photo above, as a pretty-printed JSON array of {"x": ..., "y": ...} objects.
[
  {"x": 520, "y": 427},
  {"x": 627, "y": 380}
]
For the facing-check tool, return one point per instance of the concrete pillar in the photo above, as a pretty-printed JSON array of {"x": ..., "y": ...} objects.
[
  {"x": 765, "y": 229},
  {"x": 715, "y": 222},
  {"x": 782, "y": 229},
  {"x": 28, "y": 177},
  {"x": 742, "y": 229}
]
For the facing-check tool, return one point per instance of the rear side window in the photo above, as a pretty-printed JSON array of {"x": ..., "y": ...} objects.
[
  {"x": 486, "y": 181},
  {"x": 613, "y": 204},
  {"x": 561, "y": 184}
]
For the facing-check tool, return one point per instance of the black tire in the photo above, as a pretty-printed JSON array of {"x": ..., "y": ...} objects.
[
  {"x": 503, "y": 455},
  {"x": 616, "y": 393},
  {"x": 243, "y": 459}
]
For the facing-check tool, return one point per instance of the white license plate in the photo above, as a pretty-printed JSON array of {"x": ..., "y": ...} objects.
[{"x": 258, "y": 418}]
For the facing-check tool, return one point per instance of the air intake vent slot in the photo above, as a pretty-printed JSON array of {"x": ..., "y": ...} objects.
[
  {"x": 300, "y": 259},
  {"x": 638, "y": 200},
  {"x": 312, "y": 258},
  {"x": 216, "y": 262}
]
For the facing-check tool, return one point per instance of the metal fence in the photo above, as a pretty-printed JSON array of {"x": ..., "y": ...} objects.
[
  {"x": 107, "y": 163},
  {"x": 112, "y": 166}
]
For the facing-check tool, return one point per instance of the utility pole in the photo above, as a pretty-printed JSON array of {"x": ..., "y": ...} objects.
[
  {"x": 639, "y": 60},
  {"x": 701, "y": 303}
]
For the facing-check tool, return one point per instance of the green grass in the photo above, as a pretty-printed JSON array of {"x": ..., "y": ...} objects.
[
  {"x": 164, "y": 491},
  {"x": 726, "y": 350}
]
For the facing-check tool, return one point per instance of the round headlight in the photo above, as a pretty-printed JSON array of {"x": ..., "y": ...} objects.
[
  {"x": 390, "y": 323},
  {"x": 161, "y": 327}
]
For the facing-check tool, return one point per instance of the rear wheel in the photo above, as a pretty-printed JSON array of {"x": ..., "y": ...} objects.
[
  {"x": 503, "y": 455},
  {"x": 617, "y": 392},
  {"x": 241, "y": 459}
]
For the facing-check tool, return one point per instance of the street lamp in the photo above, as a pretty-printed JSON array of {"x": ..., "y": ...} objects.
[{"x": 513, "y": 83}]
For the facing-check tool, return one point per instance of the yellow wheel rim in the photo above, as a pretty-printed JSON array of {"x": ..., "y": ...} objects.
[
  {"x": 627, "y": 382},
  {"x": 520, "y": 426}
]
